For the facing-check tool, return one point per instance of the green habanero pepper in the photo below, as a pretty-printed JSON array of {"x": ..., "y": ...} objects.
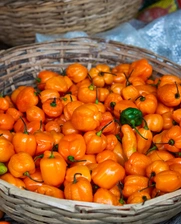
[
  {"x": 3, "y": 169},
  {"x": 132, "y": 117}
]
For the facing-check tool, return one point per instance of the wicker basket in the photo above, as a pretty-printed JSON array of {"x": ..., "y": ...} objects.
[
  {"x": 19, "y": 66},
  {"x": 21, "y": 20}
]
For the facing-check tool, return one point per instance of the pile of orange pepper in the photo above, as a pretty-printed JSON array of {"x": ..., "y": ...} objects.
[{"x": 63, "y": 137}]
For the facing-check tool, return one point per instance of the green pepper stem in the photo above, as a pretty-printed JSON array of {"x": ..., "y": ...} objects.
[
  {"x": 151, "y": 149},
  {"x": 91, "y": 87},
  {"x": 75, "y": 180},
  {"x": 38, "y": 80},
  {"x": 99, "y": 133},
  {"x": 139, "y": 133},
  {"x": 51, "y": 155},
  {"x": 25, "y": 127},
  {"x": 152, "y": 185},
  {"x": 71, "y": 159},
  {"x": 144, "y": 199},
  {"x": 28, "y": 175},
  {"x": 112, "y": 104},
  {"x": 97, "y": 100},
  {"x": 38, "y": 157},
  {"x": 145, "y": 125},
  {"x": 177, "y": 95}
]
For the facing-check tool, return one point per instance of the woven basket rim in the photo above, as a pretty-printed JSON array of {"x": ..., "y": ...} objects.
[
  {"x": 72, "y": 206},
  {"x": 118, "y": 44}
]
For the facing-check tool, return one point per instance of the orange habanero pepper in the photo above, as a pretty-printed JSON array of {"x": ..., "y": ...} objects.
[
  {"x": 107, "y": 174},
  {"x": 8, "y": 177},
  {"x": 95, "y": 142},
  {"x": 79, "y": 170},
  {"x": 86, "y": 117},
  {"x": 53, "y": 107},
  {"x": 48, "y": 94},
  {"x": 72, "y": 147},
  {"x": 140, "y": 68},
  {"x": 59, "y": 83},
  {"x": 147, "y": 103},
  {"x": 137, "y": 164},
  {"x": 35, "y": 113},
  {"x": 172, "y": 139},
  {"x": 6, "y": 122},
  {"x": 156, "y": 167},
  {"x": 170, "y": 94},
  {"x": 70, "y": 107},
  {"x": 129, "y": 141},
  {"x": 154, "y": 122},
  {"x": 76, "y": 72},
  {"x": 6, "y": 149},
  {"x": 101, "y": 75},
  {"x": 43, "y": 76},
  {"x": 44, "y": 142},
  {"x": 79, "y": 189},
  {"x": 168, "y": 181},
  {"x": 24, "y": 142},
  {"x": 21, "y": 165},
  {"x": 53, "y": 168},
  {"x": 134, "y": 183},
  {"x": 105, "y": 196},
  {"x": 50, "y": 191},
  {"x": 138, "y": 197},
  {"x": 34, "y": 182},
  {"x": 26, "y": 98}
]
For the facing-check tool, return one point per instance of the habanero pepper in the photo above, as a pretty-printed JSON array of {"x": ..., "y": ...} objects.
[
  {"x": 172, "y": 139},
  {"x": 168, "y": 181},
  {"x": 138, "y": 197},
  {"x": 24, "y": 141},
  {"x": 53, "y": 107},
  {"x": 76, "y": 72},
  {"x": 105, "y": 196},
  {"x": 137, "y": 164},
  {"x": 72, "y": 147},
  {"x": 9, "y": 178},
  {"x": 21, "y": 165},
  {"x": 6, "y": 149},
  {"x": 53, "y": 168},
  {"x": 140, "y": 68},
  {"x": 101, "y": 75},
  {"x": 147, "y": 103},
  {"x": 106, "y": 155},
  {"x": 34, "y": 182},
  {"x": 43, "y": 76},
  {"x": 67, "y": 128},
  {"x": 79, "y": 189},
  {"x": 156, "y": 167},
  {"x": 26, "y": 98},
  {"x": 50, "y": 191},
  {"x": 111, "y": 101},
  {"x": 134, "y": 183},
  {"x": 170, "y": 94},
  {"x": 35, "y": 113},
  {"x": 129, "y": 141},
  {"x": 81, "y": 170},
  {"x": 144, "y": 139},
  {"x": 95, "y": 142},
  {"x": 59, "y": 83},
  {"x": 107, "y": 174},
  {"x": 86, "y": 117}
]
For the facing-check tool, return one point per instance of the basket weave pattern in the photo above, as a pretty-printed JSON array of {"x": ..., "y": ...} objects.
[
  {"x": 19, "y": 66},
  {"x": 21, "y": 20}
]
